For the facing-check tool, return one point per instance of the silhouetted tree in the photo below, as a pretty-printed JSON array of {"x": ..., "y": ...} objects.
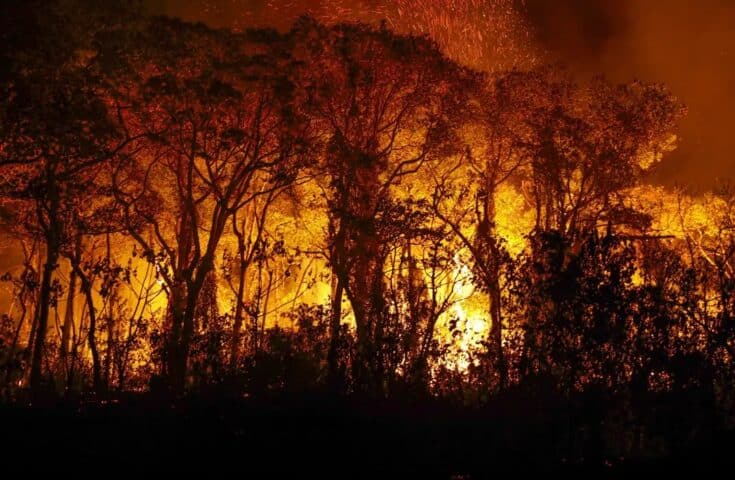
[
  {"x": 56, "y": 133},
  {"x": 219, "y": 133},
  {"x": 383, "y": 102}
]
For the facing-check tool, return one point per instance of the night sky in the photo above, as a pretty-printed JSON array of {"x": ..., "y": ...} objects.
[{"x": 687, "y": 45}]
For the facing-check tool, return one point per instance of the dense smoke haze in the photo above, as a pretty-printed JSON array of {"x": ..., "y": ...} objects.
[{"x": 687, "y": 45}]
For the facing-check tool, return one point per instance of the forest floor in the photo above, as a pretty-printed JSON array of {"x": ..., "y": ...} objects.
[{"x": 319, "y": 437}]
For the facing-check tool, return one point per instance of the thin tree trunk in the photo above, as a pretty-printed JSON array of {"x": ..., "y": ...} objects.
[
  {"x": 334, "y": 327},
  {"x": 239, "y": 308},
  {"x": 71, "y": 295},
  {"x": 488, "y": 246},
  {"x": 92, "y": 330},
  {"x": 44, "y": 299},
  {"x": 496, "y": 332},
  {"x": 177, "y": 308},
  {"x": 68, "y": 317},
  {"x": 496, "y": 327},
  {"x": 92, "y": 338},
  {"x": 109, "y": 351}
]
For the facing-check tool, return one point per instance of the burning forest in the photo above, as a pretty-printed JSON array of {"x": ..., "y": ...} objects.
[{"x": 366, "y": 219}]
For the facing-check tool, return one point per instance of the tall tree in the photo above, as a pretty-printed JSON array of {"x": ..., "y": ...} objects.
[
  {"x": 219, "y": 133},
  {"x": 56, "y": 131},
  {"x": 383, "y": 102}
]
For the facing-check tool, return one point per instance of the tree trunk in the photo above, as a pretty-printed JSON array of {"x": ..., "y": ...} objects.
[
  {"x": 180, "y": 358},
  {"x": 68, "y": 317},
  {"x": 239, "y": 310},
  {"x": 496, "y": 332},
  {"x": 62, "y": 368},
  {"x": 109, "y": 350},
  {"x": 181, "y": 339},
  {"x": 172, "y": 360},
  {"x": 488, "y": 246},
  {"x": 333, "y": 376},
  {"x": 358, "y": 257},
  {"x": 91, "y": 331},
  {"x": 32, "y": 334},
  {"x": 366, "y": 296},
  {"x": 44, "y": 299}
]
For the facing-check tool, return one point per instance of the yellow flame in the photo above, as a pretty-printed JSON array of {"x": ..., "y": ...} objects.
[{"x": 468, "y": 311}]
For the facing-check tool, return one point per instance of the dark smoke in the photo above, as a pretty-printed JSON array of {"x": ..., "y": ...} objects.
[{"x": 689, "y": 46}]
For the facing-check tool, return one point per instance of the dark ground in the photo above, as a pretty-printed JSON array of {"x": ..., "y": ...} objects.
[{"x": 316, "y": 437}]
